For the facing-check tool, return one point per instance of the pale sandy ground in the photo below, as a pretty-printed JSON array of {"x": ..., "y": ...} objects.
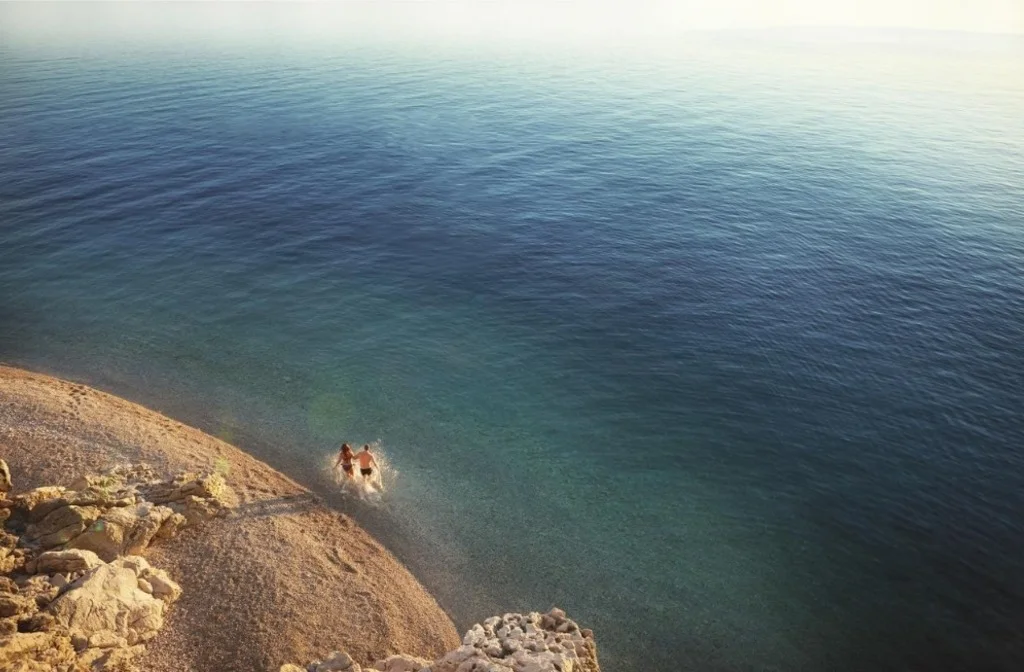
[{"x": 284, "y": 579}]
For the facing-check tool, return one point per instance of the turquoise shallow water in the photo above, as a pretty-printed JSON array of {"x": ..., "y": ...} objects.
[{"x": 715, "y": 347}]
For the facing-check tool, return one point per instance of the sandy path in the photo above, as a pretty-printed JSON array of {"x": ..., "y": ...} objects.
[{"x": 284, "y": 579}]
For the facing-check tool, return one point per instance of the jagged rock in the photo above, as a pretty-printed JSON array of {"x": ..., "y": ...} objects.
[
  {"x": 39, "y": 589},
  {"x": 36, "y": 652},
  {"x": 171, "y": 526},
  {"x": 60, "y": 581},
  {"x": 185, "y": 485},
  {"x": 523, "y": 643},
  {"x": 289, "y": 667},
  {"x": 113, "y": 514},
  {"x": 5, "y": 477},
  {"x": 122, "y": 530},
  {"x": 11, "y": 558},
  {"x": 533, "y": 642},
  {"x": 17, "y": 605},
  {"x": 401, "y": 663},
  {"x": 65, "y": 562},
  {"x": 22, "y": 643},
  {"x": 162, "y": 586},
  {"x": 108, "y": 598},
  {"x": 338, "y": 661},
  {"x": 34, "y": 502},
  {"x": 106, "y": 639},
  {"x": 60, "y": 526},
  {"x": 104, "y": 499},
  {"x": 37, "y": 622},
  {"x": 116, "y": 659}
]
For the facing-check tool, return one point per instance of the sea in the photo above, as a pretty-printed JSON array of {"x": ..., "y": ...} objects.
[{"x": 714, "y": 342}]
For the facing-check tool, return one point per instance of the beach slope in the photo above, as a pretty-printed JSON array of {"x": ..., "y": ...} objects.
[{"x": 283, "y": 578}]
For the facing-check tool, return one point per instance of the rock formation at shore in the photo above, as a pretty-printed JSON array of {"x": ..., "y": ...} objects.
[
  {"x": 74, "y": 593},
  {"x": 532, "y": 642},
  {"x": 243, "y": 584}
]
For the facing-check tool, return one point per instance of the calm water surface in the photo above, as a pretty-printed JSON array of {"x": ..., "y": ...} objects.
[{"x": 716, "y": 347}]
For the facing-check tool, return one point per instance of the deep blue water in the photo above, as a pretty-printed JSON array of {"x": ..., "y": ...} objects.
[{"x": 717, "y": 347}]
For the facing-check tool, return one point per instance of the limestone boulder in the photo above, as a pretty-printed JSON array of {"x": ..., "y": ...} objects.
[
  {"x": 117, "y": 513},
  {"x": 123, "y": 530},
  {"x": 102, "y": 498},
  {"x": 39, "y": 589},
  {"x": 37, "y": 622},
  {"x": 160, "y": 584},
  {"x": 531, "y": 642},
  {"x": 36, "y": 652},
  {"x": 29, "y": 501},
  {"x": 110, "y": 659},
  {"x": 7, "y": 585},
  {"x": 402, "y": 663},
  {"x": 170, "y": 527},
  {"x": 179, "y": 489},
  {"x": 66, "y": 562},
  {"x": 17, "y": 605},
  {"x": 338, "y": 661},
  {"x": 60, "y": 526},
  {"x": 11, "y": 557},
  {"x": 108, "y": 598}
]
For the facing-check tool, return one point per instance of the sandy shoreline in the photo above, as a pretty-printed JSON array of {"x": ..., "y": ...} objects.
[{"x": 284, "y": 578}]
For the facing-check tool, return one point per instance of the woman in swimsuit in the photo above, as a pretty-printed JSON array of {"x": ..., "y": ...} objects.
[{"x": 345, "y": 457}]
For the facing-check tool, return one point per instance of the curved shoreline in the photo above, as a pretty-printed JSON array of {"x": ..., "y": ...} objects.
[{"x": 285, "y": 578}]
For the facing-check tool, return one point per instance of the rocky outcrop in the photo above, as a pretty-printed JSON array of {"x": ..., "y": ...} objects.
[
  {"x": 532, "y": 642},
  {"x": 116, "y": 602},
  {"x": 116, "y": 513},
  {"x": 66, "y": 562},
  {"x": 74, "y": 596}
]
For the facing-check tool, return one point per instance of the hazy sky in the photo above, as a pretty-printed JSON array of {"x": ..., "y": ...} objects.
[
  {"x": 585, "y": 19},
  {"x": 967, "y": 15}
]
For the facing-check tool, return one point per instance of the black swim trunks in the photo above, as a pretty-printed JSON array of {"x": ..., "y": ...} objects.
[{"x": 366, "y": 472}]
